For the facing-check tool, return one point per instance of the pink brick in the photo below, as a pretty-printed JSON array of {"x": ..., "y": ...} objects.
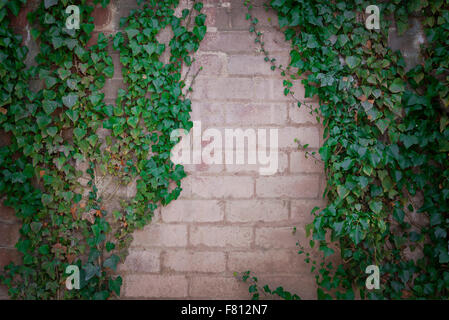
[
  {"x": 208, "y": 112},
  {"x": 307, "y": 135},
  {"x": 213, "y": 64},
  {"x": 194, "y": 261},
  {"x": 249, "y": 65},
  {"x": 8, "y": 255},
  {"x": 221, "y": 236},
  {"x": 230, "y": 42},
  {"x": 141, "y": 261},
  {"x": 261, "y": 261},
  {"x": 256, "y": 114},
  {"x": 223, "y": 88},
  {"x": 3, "y": 292},
  {"x": 218, "y": 288},
  {"x": 217, "y": 17},
  {"x": 301, "y": 210},
  {"x": 306, "y": 186},
  {"x": 278, "y": 237},
  {"x": 256, "y": 210},
  {"x": 155, "y": 286},
  {"x": 302, "y": 114},
  {"x": 255, "y": 168},
  {"x": 275, "y": 41},
  {"x": 161, "y": 235},
  {"x": 7, "y": 214},
  {"x": 278, "y": 90},
  {"x": 266, "y": 18},
  {"x": 186, "y": 185},
  {"x": 222, "y": 187},
  {"x": 193, "y": 211},
  {"x": 9, "y": 234},
  {"x": 299, "y": 163}
]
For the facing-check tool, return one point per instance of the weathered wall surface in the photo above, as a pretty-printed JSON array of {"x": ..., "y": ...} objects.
[{"x": 229, "y": 217}]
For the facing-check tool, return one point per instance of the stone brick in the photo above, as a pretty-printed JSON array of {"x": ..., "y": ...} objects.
[
  {"x": 305, "y": 135},
  {"x": 141, "y": 261},
  {"x": 221, "y": 236},
  {"x": 161, "y": 235},
  {"x": 218, "y": 288},
  {"x": 4, "y": 293},
  {"x": 278, "y": 237},
  {"x": 155, "y": 286},
  {"x": 9, "y": 234},
  {"x": 301, "y": 210},
  {"x": 275, "y": 41},
  {"x": 302, "y": 114},
  {"x": 282, "y": 166},
  {"x": 256, "y": 210},
  {"x": 266, "y": 18},
  {"x": 117, "y": 68},
  {"x": 222, "y": 187},
  {"x": 299, "y": 163},
  {"x": 255, "y": 114},
  {"x": 229, "y": 42},
  {"x": 217, "y": 17},
  {"x": 208, "y": 112},
  {"x": 111, "y": 87},
  {"x": 186, "y": 185},
  {"x": 8, "y": 255},
  {"x": 306, "y": 186},
  {"x": 248, "y": 65},
  {"x": 7, "y": 214},
  {"x": 261, "y": 261},
  {"x": 213, "y": 64},
  {"x": 194, "y": 261},
  {"x": 105, "y": 18},
  {"x": 193, "y": 211},
  {"x": 223, "y": 88}
]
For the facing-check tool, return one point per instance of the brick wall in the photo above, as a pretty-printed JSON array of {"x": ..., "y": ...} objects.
[{"x": 228, "y": 218}]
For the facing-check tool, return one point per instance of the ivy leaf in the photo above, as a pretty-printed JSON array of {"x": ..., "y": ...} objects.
[
  {"x": 72, "y": 114},
  {"x": 115, "y": 285},
  {"x": 70, "y": 100},
  {"x": 397, "y": 86},
  {"x": 50, "y": 3},
  {"x": 132, "y": 33},
  {"x": 96, "y": 98},
  {"x": 353, "y": 61},
  {"x": 79, "y": 133},
  {"x": 49, "y": 106},
  {"x": 133, "y": 121},
  {"x": 376, "y": 206},
  {"x": 111, "y": 262}
]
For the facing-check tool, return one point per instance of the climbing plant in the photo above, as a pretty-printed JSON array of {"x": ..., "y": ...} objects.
[
  {"x": 51, "y": 171},
  {"x": 386, "y": 145}
]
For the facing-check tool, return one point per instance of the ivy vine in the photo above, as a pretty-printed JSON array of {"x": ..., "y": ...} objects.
[
  {"x": 55, "y": 133},
  {"x": 386, "y": 145}
]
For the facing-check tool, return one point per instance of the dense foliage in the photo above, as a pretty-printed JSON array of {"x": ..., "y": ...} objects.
[
  {"x": 386, "y": 144},
  {"x": 55, "y": 134}
]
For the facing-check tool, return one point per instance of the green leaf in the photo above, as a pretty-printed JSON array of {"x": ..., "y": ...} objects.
[
  {"x": 397, "y": 86},
  {"x": 376, "y": 206},
  {"x": 353, "y": 61},
  {"x": 70, "y": 100},
  {"x": 79, "y": 133},
  {"x": 111, "y": 262}
]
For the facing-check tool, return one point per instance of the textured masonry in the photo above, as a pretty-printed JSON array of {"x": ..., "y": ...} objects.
[{"x": 228, "y": 217}]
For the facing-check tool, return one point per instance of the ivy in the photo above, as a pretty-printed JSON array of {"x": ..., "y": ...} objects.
[
  {"x": 385, "y": 150},
  {"x": 52, "y": 171}
]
